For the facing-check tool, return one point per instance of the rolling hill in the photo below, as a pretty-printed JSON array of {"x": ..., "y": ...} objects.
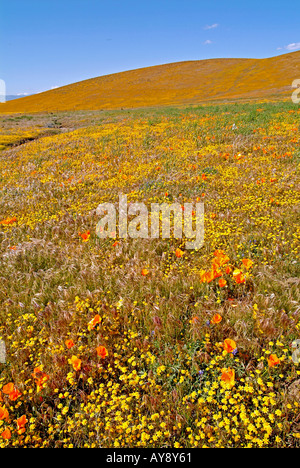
[{"x": 175, "y": 84}]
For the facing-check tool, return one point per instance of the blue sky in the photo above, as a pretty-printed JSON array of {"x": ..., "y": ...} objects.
[{"x": 50, "y": 43}]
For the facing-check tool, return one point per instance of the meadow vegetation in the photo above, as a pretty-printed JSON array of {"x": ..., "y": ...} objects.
[{"x": 142, "y": 343}]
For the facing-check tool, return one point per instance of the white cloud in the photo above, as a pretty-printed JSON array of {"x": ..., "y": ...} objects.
[
  {"x": 212, "y": 26},
  {"x": 290, "y": 47},
  {"x": 207, "y": 42}
]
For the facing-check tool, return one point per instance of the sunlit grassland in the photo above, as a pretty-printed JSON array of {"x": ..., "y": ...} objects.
[{"x": 167, "y": 380}]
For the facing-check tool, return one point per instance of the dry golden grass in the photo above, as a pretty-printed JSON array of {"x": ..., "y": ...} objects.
[{"x": 173, "y": 84}]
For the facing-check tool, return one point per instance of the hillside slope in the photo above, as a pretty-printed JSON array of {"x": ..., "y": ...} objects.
[{"x": 180, "y": 83}]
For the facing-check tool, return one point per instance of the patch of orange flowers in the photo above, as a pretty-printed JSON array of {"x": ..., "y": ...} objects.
[
  {"x": 219, "y": 261},
  {"x": 220, "y": 266},
  {"x": 8, "y": 221}
]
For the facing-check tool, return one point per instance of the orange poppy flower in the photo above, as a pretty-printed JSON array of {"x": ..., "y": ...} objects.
[
  {"x": 21, "y": 423},
  {"x": 92, "y": 324},
  {"x": 8, "y": 388},
  {"x": 203, "y": 276},
  {"x": 11, "y": 391},
  {"x": 222, "y": 283},
  {"x": 209, "y": 276},
  {"x": 6, "y": 435},
  {"x": 229, "y": 345},
  {"x": 76, "y": 363},
  {"x": 228, "y": 377},
  {"x": 102, "y": 352},
  {"x": 195, "y": 319},
  {"x": 37, "y": 372},
  {"x": 3, "y": 413},
  {"x": 216, "y": 319},
  {"x": 247, "y": 263},
  {"x": 239, "y": 277},
  {"x": 221, "y": 258},
  {"x": 69, "y": 344},
  {"x": 13, "y": 396},
  {"x": 179, "y": 253},
  {"x": 85, "y": 236},
  {"x": 145, "y": 272},
  {"x": 40, "y": 378},
  {"x": 216, "y": 272},
  {"x": 273, "y": 360}
]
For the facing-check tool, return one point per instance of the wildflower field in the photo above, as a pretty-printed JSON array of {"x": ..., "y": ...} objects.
[{"x": 143, "y": 343}]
